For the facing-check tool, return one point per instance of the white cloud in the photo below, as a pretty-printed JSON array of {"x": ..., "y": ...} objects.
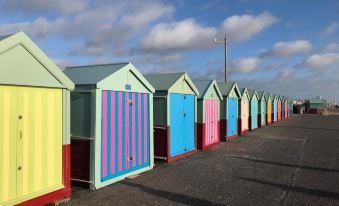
[
  {"x": 190, "y": 35},
  {"x": 245, "y": 65},
  {"x": 242, "y": 28},
  {"x": 330, "y": 29},
  {"x": 320, "y": 61},
  {"x": 333, "y": 47},
  {"x": 103, "y": 28},
  {"x": 283, "y": 49},
  {"x": 44, "y": 6},
  {"x": 183, "y": 35}
]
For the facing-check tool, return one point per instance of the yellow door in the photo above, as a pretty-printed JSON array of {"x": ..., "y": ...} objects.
[
  {"x": 8, "y": 134},
  {"x": 269, "y": 111},
  {"x": 38, "y": 168}
]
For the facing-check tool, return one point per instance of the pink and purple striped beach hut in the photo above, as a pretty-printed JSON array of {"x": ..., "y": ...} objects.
[{"x": 112, "y": 123}]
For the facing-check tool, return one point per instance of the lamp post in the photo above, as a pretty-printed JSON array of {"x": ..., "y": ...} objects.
[{"x": 225, "y": 45}]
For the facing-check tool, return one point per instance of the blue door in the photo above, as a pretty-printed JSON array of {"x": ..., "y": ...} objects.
[
  {"x": 182, "y": 118},
  {"x": 188, "y": 125},
  {"x": 232, "y": 117},
  {"x": 254, "y": 114},
  {"x": 275, "y": 110}
]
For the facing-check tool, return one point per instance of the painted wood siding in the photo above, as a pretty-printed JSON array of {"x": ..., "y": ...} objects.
[
  {"x": 254, "y": 114},
  {"x": 263, "y": 112},
  {"x": 30, "y": 142},
  {"x": 269, "y": 111},
  {"x": 125, "y": 133},
  {"x": 182, "y": 135},
  {"x": 244, "y": 115},
  {"x": 279, "y": 110},
  {"x": 232, "y": 116},
  {"x": 211, "y": 121}
]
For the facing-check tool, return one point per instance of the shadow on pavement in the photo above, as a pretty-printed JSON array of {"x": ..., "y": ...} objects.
[
  {"x": 302, "y": 190},
  {"x": 314, "y": 128},
  {"x": 288, "y": 165},
  {"x": 174, "y": 197}
]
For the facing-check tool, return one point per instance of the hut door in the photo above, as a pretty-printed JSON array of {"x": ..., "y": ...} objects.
[
  {"x": 125, "y": 133},
  {"x": 31, "y": 142},
  {"x": 263, "y": 112},
  {"x": 232, "y": 117},
  {"x": 211, "y": 122},
  {"x": 8, "y": 138},
  {"x": 182, "y": 119},
  {"x": 254, "y": 114},
  {"x": 244, "y": 114}
]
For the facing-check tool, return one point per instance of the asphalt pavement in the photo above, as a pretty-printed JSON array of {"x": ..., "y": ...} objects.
[{"x": 292, "y": 162}]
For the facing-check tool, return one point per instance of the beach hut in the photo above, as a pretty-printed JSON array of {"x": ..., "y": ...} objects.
[
  {"x": 175, "y": 106},
  {"x": 229, "y": 110},
  {"x": 290, "y": 107},
  {"x": 279, "y": 107},
  {"x": 285, "y": 107},
  {"x": 262, "y": 96},
  {"x": 208, "y": 116},
  {"x": 112, "y": 123},
  {"x": 254, "y": 108},
  {"x": 275, "y": 108},
  {"x": 282, "y": 107},
  {"x": 269, "y": 111},
  {"x": 34, "y": 125},
  {"x": 244, "y": 112}
]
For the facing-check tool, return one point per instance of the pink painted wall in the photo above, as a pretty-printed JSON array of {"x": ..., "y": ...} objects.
[
  {"x": 211, "y": 121},
  {"x": 244, "y": 114}
]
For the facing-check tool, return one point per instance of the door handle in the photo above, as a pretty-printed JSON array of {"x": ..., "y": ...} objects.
[
  {"x": 20, "y": 134},
  {"x": 19, "y": 168},
  {"x": 20, "y": 117}
]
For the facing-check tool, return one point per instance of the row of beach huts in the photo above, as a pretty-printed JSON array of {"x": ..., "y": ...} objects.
[{"x": 95, "y": 125}]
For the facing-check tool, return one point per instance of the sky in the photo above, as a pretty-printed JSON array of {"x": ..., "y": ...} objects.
[{"x": 282, "y": 46}]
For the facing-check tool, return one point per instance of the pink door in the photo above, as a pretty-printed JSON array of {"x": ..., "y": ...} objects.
[
  {"x": 286, "y": 110},
  {"x": 244, "y": 114},
  {"x": 211, "y": 122}
]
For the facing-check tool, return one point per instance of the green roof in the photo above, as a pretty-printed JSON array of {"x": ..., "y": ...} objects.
[
  {"x": 226, "y": 88},
  {"x": 163, "y": 81},
  {"x": 261, "y": 94},
  {"x": 204, "y": 85},
  {"x": 5, "y": 37},
  {"x": 92, "y": 74}
]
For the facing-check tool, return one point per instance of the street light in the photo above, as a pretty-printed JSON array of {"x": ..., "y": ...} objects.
[{"x": 225, "y": 45}]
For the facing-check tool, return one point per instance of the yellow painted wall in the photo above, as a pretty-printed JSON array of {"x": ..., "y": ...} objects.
[
  {"x": 30, "y": 141},
  {"x": 269, "y": 111}
]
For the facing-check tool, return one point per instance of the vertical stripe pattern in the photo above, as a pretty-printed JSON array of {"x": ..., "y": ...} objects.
[
  {"x": 30, "y": 142},
  {"x": 125, "y": 121}
]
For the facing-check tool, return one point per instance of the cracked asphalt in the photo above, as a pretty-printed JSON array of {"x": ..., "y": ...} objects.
[{"x": 293, "y": 162}]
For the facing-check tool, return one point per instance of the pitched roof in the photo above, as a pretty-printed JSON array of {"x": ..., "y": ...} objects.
[
  {"x": 163, "y": 81},
  {"x": 92, "y": 74},
  {"x": 226, "y": 88},
  {"x": 204, "y": 85},
  {"x": 5, "y": 37},
  {"x": 7, "y": 42},
  {"x": 261, "y": 94},
  {"x": 243, "y": 91}
]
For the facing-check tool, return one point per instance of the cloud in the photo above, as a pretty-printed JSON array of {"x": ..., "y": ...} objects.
[
  {"x": 320, "y": 61},
  {"x": 284, "y": 49},
  {"x": 330, "y": 29},
  {"x": 242, "y": 28},
  {"x": 333, "y": 47},
  {"x": 188, "y": 34},
  {"x": 176, "y": 36},
  {"x": 245, "y": 65},
  {"x": 44, "y": 6},
  {"x": 102, "y": 28}
]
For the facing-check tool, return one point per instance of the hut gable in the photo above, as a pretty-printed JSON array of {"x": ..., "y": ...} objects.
[
  {"x": 262, "y": 96},
  {"x": 244, "y": 93},
  {"x": 33, "y": 68},
  {"x": 117, "y": 76},
  {"x": 253, "y": 95},
  {"x": 230, "y": 89},
  {"x": 173, "y": 83},
  {"x": 208, "y": 89}
]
